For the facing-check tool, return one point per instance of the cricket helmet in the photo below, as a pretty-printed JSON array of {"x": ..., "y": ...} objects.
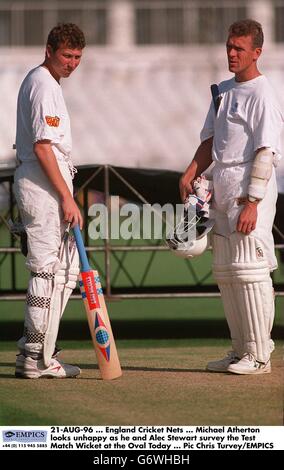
[{"x": 190, "y": 236}]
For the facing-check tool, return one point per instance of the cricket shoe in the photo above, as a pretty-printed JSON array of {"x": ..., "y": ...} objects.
[
  {"x": 223, "y": 364},
  {"x": 249, "y": 365},
  {"x": 28, "y": 368}
]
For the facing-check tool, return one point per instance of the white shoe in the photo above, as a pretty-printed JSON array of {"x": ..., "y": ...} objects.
[
  {"x": 28, "y": 368},
  {"x": 249, "y": 365},
  {"x": 223, "y": 364}
]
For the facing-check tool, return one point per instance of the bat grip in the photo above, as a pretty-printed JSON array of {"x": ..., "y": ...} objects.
[
  {"x": 81, "y": 249},
  {"x": 216, "y": 96}
]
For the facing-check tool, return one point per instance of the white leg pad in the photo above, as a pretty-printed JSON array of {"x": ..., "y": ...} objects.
[
  {"x": 64, "y": 283},
  {"x": 248, "y": 275},
  {"x": 222, "y": 273}
]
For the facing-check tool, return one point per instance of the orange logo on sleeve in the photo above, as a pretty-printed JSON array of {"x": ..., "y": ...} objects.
[{"x": 52, "y": 121}]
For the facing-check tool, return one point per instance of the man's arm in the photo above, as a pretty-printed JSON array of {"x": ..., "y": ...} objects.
[
  {"x": 48, "y": 162},
  {"x": 260, "y": 176},
  {"x": 201, "y": 161}
]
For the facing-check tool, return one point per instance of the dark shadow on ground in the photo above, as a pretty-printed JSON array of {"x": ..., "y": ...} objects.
[{"x": 139, "y": 329}]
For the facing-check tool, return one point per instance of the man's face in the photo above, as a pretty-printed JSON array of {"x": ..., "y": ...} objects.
[
  {"x": 64, "y": 60},
  {"x": 241, "y": 54}
]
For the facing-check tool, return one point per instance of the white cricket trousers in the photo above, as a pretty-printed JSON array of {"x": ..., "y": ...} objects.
[{"x": 42, "y": 218}]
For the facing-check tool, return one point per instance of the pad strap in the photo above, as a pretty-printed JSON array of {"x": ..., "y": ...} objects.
[{"x": 43, "y": 275}]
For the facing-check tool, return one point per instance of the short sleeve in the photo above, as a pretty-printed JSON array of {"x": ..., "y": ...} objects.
[
  {"x": 45, "y": 114},
  {"x": 208, "y": 127},
  {"x": 266, "y": 121}
]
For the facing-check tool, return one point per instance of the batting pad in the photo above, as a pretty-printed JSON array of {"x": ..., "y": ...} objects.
[
  {"x": 242, "y": 272},
  {"x": 64, "y": 282},
  {"x": 222, "y": 261}
]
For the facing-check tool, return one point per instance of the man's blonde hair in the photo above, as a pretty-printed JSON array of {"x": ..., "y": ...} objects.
[{"x": 248, "y": 28}]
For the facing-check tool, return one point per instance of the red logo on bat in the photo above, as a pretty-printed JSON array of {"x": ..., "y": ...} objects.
[{"x": 90, "y": 290}]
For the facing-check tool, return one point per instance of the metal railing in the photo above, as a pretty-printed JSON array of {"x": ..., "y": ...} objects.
[{"x": 108, "y": 249}]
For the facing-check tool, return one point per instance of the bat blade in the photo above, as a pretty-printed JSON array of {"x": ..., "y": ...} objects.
[
  {"x": 99, "y": 325},
  {"x": 98, "y": 319}
]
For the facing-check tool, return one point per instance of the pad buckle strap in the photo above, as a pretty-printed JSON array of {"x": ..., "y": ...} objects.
[
  {"x": 35, "y": 301},
  {"x": 33, "y": 336},
  {"x": 43, "y": 275}
]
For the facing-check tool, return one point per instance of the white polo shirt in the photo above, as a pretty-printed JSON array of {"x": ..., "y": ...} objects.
[
  {"x": 249, "y": 118},
  {"x": 42, "y": 114}
]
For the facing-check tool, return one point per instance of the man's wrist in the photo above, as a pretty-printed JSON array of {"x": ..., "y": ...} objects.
[{"x": 64, "y": 194}]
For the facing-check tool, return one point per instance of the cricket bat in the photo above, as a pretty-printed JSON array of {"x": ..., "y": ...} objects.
[
  {"x": 216, "y": 96},
  {"x": 98, "y": 319}
]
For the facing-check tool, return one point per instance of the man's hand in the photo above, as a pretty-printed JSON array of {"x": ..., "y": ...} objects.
[
  {"x": 185, "y": 187},
  {"x": 71, "y": 212},
  {"x": 248, "y": 217}
]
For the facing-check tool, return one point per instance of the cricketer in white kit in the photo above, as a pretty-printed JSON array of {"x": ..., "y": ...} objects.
[
  {"x": 243, "y": 141},
  {"x": 44, "y": 193}
]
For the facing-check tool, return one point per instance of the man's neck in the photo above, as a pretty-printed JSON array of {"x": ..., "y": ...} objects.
[
  {"x": 51, "y": 70},
  {"x": 247, "y": 75}
]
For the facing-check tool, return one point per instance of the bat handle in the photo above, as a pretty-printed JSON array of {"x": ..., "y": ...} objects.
[{"x": 81, "y": 248}]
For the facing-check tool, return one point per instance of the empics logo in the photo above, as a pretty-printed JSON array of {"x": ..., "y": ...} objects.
[
  {"x": 9, "y": 434},
  {"x": 20, "y": 435}
]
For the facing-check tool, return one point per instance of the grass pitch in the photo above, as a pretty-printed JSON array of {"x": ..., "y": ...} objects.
[{"x": 164, "y": 382}]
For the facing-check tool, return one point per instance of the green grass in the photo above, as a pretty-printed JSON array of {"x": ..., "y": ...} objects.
[
  {"x": 139, "y": 309},
  {"x": 162, "y": 384}
]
